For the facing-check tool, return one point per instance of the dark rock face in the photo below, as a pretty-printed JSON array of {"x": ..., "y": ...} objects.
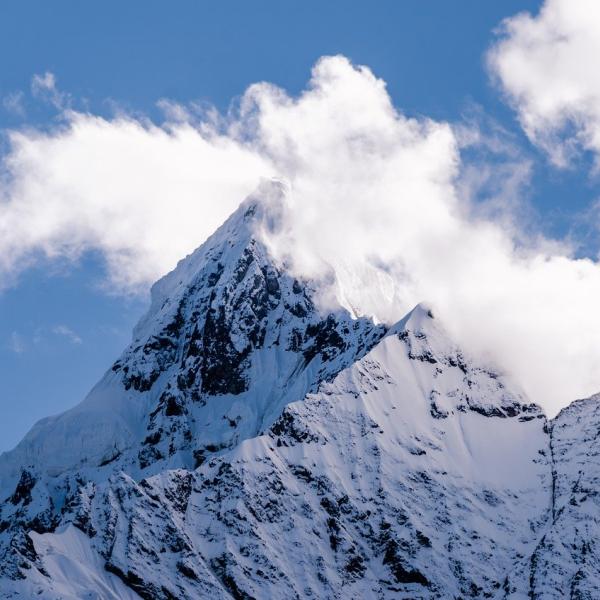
[
  {"x": 323, "y": 338},
  {"x": 22, "y": 493},
  {"x": 393, "y": 559},
  {"x": 288, "y": 430},
  {"x": 222, "y": 369}
]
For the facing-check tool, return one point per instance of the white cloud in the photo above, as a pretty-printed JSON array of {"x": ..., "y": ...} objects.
[
  {"x": 13, "y": 103},
  {"x": 143, "y": 195},
  {"x": 44, "y": 88},
  {"x": 546, "y": 65},
  {"x": 68, "y": 333},
  {"x": 383, "y": 197}
]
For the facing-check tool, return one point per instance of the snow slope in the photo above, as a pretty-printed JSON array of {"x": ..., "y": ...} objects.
[{"x": 249, "y": 445}]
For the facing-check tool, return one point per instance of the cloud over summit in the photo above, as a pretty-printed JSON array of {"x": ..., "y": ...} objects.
[{"x": 373, "y": 192}]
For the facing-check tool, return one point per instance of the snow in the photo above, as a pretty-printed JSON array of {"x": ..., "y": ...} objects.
[
  {"x": 75, "y": 570},
  {"x": 250, "y": 443}
]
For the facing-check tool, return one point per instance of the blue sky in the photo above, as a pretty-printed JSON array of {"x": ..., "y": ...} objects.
[{"x": 59, "y": 330}]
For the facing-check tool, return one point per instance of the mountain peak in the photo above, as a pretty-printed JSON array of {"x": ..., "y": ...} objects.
[
  {"x": 417, "y": 318},
  {"x": 229, "y": 339},
  {"x": 259, "y": 213}
]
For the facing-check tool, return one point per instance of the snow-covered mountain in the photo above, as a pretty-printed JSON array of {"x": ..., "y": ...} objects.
[{"x": 251, "y": 444}]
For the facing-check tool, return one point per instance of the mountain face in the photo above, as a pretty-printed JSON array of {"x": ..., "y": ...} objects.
[{"x": 251, "y": 444}]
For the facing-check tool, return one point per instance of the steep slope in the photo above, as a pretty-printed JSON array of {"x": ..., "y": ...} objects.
[
  {"x": 566, "y": 560},
  {"x": 414, "y": 473}
]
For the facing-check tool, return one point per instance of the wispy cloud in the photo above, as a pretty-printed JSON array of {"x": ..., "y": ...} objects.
[
  {"x": 43, "y": 87},
  {"x": 16, "y": 343},
  {"x": 68, "y": 333},
  {"x": 14, "y": 103}
]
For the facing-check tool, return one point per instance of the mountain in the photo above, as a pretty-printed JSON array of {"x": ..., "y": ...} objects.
[
  {"x": 251, "y": 443},
  {"x": 226, "y": 323}
]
